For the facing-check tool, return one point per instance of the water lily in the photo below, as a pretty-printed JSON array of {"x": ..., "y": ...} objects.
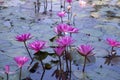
[
  {"x": 65, "y": 29},
  {"x": 85, "y": 50},
  {"x": 37, "y": 45},
  {"x": 23, "y": 37},
  {"x": 65, "y": 41},
  {"x": 61, "y": 15},
  {"x": 59, "y": 50},
  {"x": 7, "y": 70},
  {"x": 113, "y": 42},
  {"x": 21, "y": 60}
]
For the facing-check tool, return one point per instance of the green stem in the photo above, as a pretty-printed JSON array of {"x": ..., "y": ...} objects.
[
  {"x": 43, "y": 69},
  {"x": 83, "y": 70},
  {"x": 60, "y": 68},
  {"x": 61, "y": 5},
  {"x": 112, "y": 50},
  {"x": 64, "y": 4},
  {"x": 61, "y": 20},
  {"x": 7, "y": 76},
  {"x": 51, "y": 5},
  {"x": 70, "y": 69},
  {"x": 60, "y": 63},
  {"x": 20, "y": 74},
  {"x": 28, "y": 51},
  {"x": 67, "y": 67}
]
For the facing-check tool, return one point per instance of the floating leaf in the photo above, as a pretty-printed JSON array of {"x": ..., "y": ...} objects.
[
  {"x": 1, "y": 78},
  {"x": 48, "y": 66},
  {"x": 34, "y": 67},
  {"x": 40, "y": 55},
  {"x": 53, "y": 38},
  {"x": 54, "y": 61}
]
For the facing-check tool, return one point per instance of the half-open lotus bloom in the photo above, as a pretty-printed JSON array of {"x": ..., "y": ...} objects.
[
  {"x": 23, "y": 37},
  {"x": 113, "y": 42},
  {"x": 37, "y": 45},
  {"x": 7, "y": 69},
  {"x": 69, "y": 1},
  {"x": 65, "y": 41},
  {"x": 21, "y": 60},
  {"x": 65, "y": 28},
  {"x": 59, "y": 50},
  {"x": 85, "y": 50},
  {"x": 61, "y": 14}
]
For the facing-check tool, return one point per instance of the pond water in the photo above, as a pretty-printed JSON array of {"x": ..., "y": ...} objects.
[{"x": 97, "y": 20}]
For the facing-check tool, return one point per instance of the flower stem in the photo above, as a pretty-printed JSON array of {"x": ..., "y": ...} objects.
[
  {"x": 112, "y": 50},
  {"x": 64, "y": 5},
  {"x": 7, "y": 76},
  {"x": 83, "y": 70},
  {"x": 60, "y": 63},
  {"x": 20, "y": 73},
  {"x": 43, "y": 69},
  {"x": 60, "y": 4},
  {"x": 67, "y": 67},
  {"x": 61, "y": 20},
  {"x": 28, "y": 51},
  {"x": 70, "y": 69},
  {"x": 60, "y": 68},
  {"x": 51, "y": 5}
]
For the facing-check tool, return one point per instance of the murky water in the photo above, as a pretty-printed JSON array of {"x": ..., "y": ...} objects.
[{"x": 96, "y": 21}]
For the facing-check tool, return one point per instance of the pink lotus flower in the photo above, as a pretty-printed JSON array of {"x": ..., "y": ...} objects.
[
  {"x": 65, "y": 41},
  {"x": 20, "y": 60},
  {"x": 23, "y": 37},
  {"x": 7, "y": 69},
  {"x": 37, "y": 45},
  {"x": 65, "y": 28},
  {"x": 82, "y": 3},
  {"x": 69, "y": 1},
  {"x": 113, "y": 42},
  {"x": 59, "y": 50},
  {"x": 61, "y": 14},
  {"x": 85, "y": 50}
]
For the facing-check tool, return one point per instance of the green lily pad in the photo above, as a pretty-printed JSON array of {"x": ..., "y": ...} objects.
[{"x": 40, "y": 55}]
